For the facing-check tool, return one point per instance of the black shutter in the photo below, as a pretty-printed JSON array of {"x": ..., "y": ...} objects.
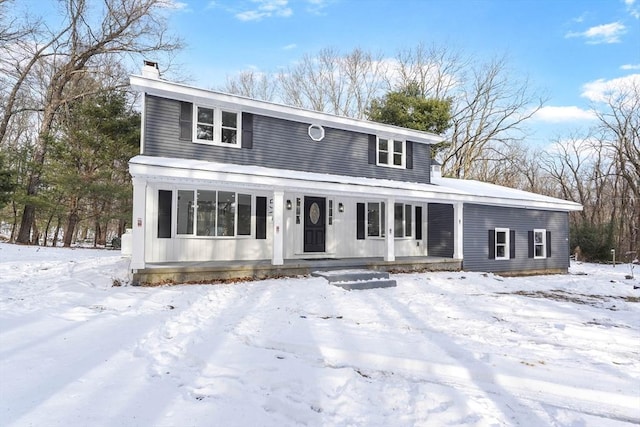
[
  {"x": 247, "y": 130},
  {"x": 186, "y": 121},
  {"x": 409, "y": 162},
  {"x": 492, "y": 244},
  {"x": 512, "y": 244},
  {"x": 372, "y": 149},
  {"x": 418, "y": 222},
  {"x": 165, "y": 201},
  {"x": 548, "y": 244},
  {"x": 531, "y": 244},
  {"x": 360, "y": 221},
  {"x": 261, "y": 217}
]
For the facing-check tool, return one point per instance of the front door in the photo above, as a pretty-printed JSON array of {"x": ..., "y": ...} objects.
[{"x": 314, "y": 224}]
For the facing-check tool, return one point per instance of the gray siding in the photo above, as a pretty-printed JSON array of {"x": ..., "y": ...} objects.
[
  {"x": 479, "y": 219},
  {"x": 440, "y": 230},
  {"x": 279, "y": 144}
]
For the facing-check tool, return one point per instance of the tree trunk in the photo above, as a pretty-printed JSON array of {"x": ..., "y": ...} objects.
[
  {"x": 57, "y": 232},
  {"x": 72, "y": 223}
]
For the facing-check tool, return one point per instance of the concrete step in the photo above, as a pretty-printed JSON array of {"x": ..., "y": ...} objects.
[
  {"x": 350, "y": 275},
  {"x": 366, "y": 284},
  {"x": 357, "y": 279}
]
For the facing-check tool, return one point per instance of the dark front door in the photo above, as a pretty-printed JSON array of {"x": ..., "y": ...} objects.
[{"x": 314, "y": 224}]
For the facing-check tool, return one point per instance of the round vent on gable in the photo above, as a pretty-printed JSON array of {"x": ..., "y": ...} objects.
[{"x": 316, "y": 132}]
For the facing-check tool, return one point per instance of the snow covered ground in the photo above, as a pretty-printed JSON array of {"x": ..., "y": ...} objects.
[{"x": 467, "y": 349}]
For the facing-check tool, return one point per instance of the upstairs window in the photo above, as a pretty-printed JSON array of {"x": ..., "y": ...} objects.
[
  {"x": 216, "y": 126},
  {"x": 502, "y": 243},
  {"x": 391, "y": 153}
]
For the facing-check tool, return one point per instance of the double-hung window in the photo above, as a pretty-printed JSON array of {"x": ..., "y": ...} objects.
[
  {"x": 217, "y": 126},
  {"x": 502, "y": 243},
  {"x": 376, "y": 219},
  {"x": 391, "y": 153},
  {"x": 539, "y": 243},
  {"x": 403, "y": 223}
]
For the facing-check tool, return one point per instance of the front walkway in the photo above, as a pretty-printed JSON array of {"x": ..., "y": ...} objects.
[{"x": 217, "y": 271}]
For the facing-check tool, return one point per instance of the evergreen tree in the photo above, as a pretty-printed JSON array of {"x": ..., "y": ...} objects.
[{"x": 408, "y": 108}]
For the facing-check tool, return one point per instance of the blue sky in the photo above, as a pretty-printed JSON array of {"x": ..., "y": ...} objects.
[{"x": 571, "y": 50}]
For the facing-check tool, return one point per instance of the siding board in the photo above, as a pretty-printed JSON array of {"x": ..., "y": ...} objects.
[
  {"x": 279, "y": 144},
  {"x": 478, "y": 219}
]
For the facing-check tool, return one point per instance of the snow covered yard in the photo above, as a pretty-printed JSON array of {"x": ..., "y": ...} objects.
[{"x": 466, "y": 349}]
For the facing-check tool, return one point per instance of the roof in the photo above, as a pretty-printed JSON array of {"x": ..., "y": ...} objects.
[
  {"x": 182, "y": 92},
  {"x": 442, "y": 190}
]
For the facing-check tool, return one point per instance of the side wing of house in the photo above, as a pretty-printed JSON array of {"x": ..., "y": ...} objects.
[{"x": 506, "y": 239}]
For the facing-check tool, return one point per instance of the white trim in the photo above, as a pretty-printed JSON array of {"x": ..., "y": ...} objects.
[
  {"x": 458, "y": 230},
  {"x": 544, "y": 243},
  {"x": 277, "y": 257},
  {"x": 216, "y": 125},
  {"x": 183, "y": 92},
  {"x": 320, "y": 128},
  {"x": 194, "y": 171},
  {"x": 391, "y": 152},
  {"x": 390, "y": 240},
  {"x": 506, "y": 244},
  {"x": 143, "y": 112}
]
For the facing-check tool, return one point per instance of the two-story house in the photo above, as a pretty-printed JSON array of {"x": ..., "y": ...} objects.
[{"x": 229, "y": 186}]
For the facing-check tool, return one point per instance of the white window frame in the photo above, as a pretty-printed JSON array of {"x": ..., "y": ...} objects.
[
  {"x": 382, "y": 209},
  {"x": 506, "y": 243},
  {"x": 402, "y": 234},
  {"x": 391, "y": 153},
  {"x": 194, "y": 234},
  {"x": 543, "y": 243},
  {"x": 217, "y": 126}
]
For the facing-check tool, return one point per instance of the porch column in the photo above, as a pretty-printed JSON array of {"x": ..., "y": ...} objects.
[
  {"x": 277, "y": 257},
  {"x": 458, "y": 227},
  {"x": 139, "y": 223},
  {"x": 390, "y": 251}
]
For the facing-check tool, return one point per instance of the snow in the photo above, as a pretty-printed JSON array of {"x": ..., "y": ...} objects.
[{"x": 466, "y": 349}]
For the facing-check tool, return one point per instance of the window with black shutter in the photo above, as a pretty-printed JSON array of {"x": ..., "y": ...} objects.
[
  {"x": 186, "y": 120},
  {"x": 360, "y": 221}
]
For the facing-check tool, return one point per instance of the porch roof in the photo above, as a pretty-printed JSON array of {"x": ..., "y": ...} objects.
[{"x": 443, "y": 190}]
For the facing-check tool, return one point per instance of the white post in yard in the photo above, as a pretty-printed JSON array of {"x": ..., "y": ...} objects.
[
  {"x": 458, "y": 227},
  {"x": 390, "y": 252},
  {"x": 278, "y": 229},
  {"x": 139, "y": 223}
]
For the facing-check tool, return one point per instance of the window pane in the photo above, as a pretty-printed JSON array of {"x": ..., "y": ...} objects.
[
  {"x": 501, "y": 237},
  {"x": 383, "y": 158},
  {"x": 229, "y": 120},
  {"x": 397, "y": 147},
  {"x": 383, "y": 220},
  {"x": 229, "y": 136},
  {"x": 204, "y": 132},
  {"x": 244, "y": 214},
  {"x": 407, "y": 220},
  {"x": 383, "y": 145},
  {"x": 373, "y": 219},
  {"x": 206, "y": 213},
  {"x": 398, "y": 215},
  {"x": 165, "y": 202},
  {"x": 538, "y": 236},
  {"x": 205, "y": 115},
  {"x": 226, "y": 213},
  {"x": 185, "y": 212},
  {"x": 397, "y": 159},
  {"x": 539, "y": 251},
  {"x": 500, "y": 251}
]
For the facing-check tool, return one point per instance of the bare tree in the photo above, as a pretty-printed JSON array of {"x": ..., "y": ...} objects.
[
  {"x": 489, "y": 113},
  {"x": 87, "y": 39}
]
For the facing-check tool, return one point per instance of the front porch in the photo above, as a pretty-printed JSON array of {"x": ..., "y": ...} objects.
[{"x": 220, "y": 271}]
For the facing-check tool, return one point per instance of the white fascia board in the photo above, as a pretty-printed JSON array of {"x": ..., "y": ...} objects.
[
  {"x": 197, "y": 172},
  {"x": 181, "y": 92}
]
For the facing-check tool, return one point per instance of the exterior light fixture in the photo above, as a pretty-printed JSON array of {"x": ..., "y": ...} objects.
[
  {"x": 289, "y": 205},
  {"x": 340, "y": 207}
]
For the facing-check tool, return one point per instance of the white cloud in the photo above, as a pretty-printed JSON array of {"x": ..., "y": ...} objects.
[
  {"x": 630, "y": 67},
  {"x": 289, "y": 46},
  {"x": 266, "y": 9},
  {"x": 600, "y": 90},
  {"x": 605, "y": 33},
  {"x": 317, "y": 6},
  {"x": 173, "y": 4},
  {"x": 633, "y": 8},
  {"x": 563, "y": 114}
]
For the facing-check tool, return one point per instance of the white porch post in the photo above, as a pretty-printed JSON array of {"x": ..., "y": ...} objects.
[
  {"x": 390, "y": 252},
  {"x": 139, "y": 223},
  {"x": 277, "y": 258},
  {"x": 458, "y": 227}
]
